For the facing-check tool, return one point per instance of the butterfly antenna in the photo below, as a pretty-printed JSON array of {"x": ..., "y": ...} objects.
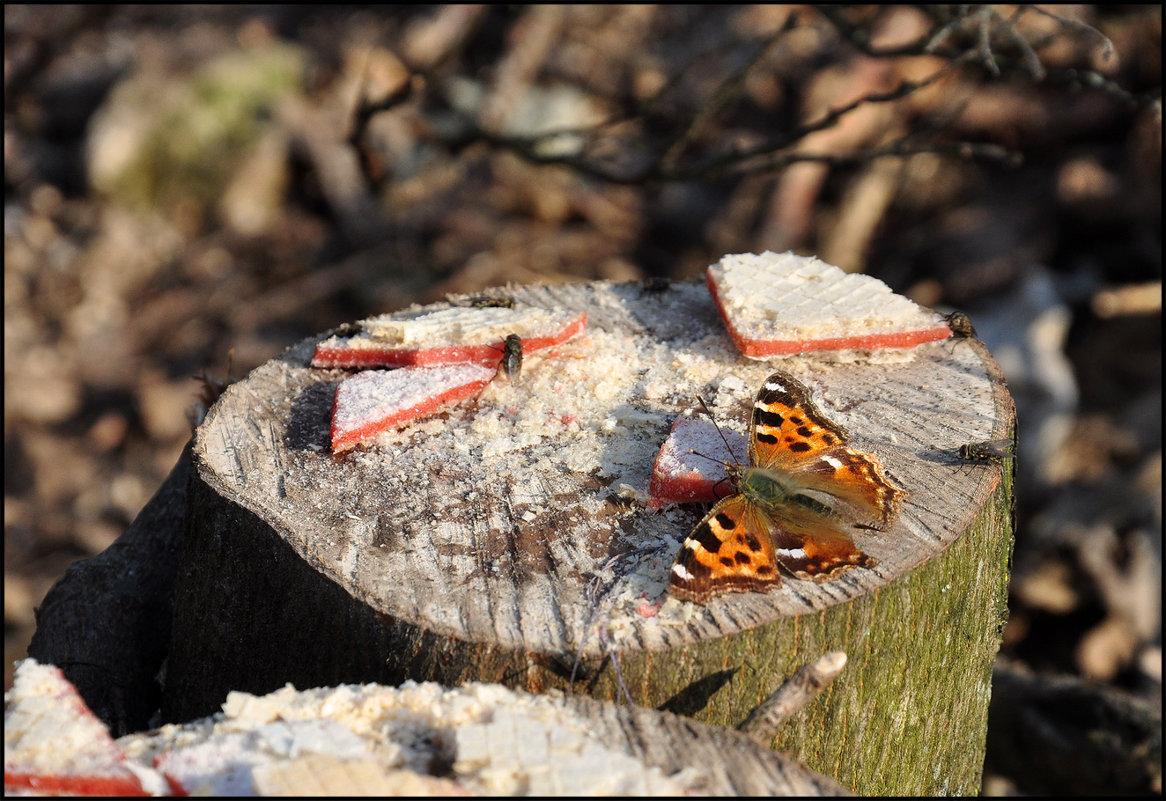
[
  {"x": 701, "y": 455},
  {"x": 720, "y": 433}
]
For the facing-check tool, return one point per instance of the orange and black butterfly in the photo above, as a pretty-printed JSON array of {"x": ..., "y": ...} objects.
[{"x": 801, "y": 490}]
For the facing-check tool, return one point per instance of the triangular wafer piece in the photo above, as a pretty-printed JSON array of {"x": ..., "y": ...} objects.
[
  {"x": 375, "y": 401},
  {"x": 53, "y": 743},
  {"x": 781, "y": 303},
  {"x": 680, "y": 476},
  {"x": 448, "y": 336}
]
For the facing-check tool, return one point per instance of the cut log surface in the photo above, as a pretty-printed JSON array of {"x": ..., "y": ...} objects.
[
  {"x": 510, "y": 539},
  {"x": 365, "y": 739},
  {"x": 480, "y": 739}
]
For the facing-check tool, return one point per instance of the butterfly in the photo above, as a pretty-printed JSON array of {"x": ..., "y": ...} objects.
[
  {"x": 511, "y": 362},
  {"x": 801, "y": 490},
  {"x": 994, "y": 450}
]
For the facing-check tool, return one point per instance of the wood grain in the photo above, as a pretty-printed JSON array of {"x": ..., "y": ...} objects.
[
  {"x": 509, "y": 539},
  {"x": 729, "y": 762}
]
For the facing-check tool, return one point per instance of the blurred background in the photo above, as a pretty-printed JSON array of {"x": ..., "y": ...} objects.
[{"x": 184, "y": 182}]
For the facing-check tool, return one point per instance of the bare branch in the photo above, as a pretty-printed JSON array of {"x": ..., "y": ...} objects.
[
  {"x": 1031, "y": 60},
  {"x": 947, "y": 30},
  {"x": 860, "y": 40},
  {"x": 643, "y": 161},
  {"x": 980, "y": 16},
  {"x": 733, "y": 157},
  {"x": 1095, "y": 80},
  {"x": 984, "y": 40},
  {"x": 1076, "y": 24},
  {"x": 749, "y": 161},
  {"x": 729, "y": 90},
  {"x": 964, "y": 150}
]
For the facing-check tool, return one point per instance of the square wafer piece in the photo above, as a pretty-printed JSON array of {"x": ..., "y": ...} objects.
[{"x": 781, "y": 303}]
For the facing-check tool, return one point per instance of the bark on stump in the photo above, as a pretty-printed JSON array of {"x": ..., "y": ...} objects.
[
  {"x": 507, "y": 540},
  {"x": 106, "y": 622}
]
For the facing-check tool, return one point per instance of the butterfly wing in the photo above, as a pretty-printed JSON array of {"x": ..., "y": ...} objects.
[
  {"x": 856, "y": 482},
  {"x": 790, "y": 436},
  {"x": 813, "y": 545},
  {"x": 730, "y": 550}
]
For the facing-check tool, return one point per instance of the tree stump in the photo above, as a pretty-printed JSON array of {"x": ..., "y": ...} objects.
[
  {"x": 106, "y": 622},
  {"x": 509, "y": 540}
]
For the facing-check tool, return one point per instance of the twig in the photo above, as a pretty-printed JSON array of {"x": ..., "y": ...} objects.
[
  {"x": 533, "y": 37},
  {"x": 362, "y": 113},
  {"x": 529, "y": 149},
  {"x": 1027, "y": 52},
  {"x": 932, "y": 42},
  {"x": 936, "y": 39},
  {"x": 613, "y": 654},
  {"x": 210, "y": 391},
  {"x": 1095, "y": 80},
  {"x": 1068, "y": 22},
  {"x": 662, "y": 163},
  {"x": 983, "y": 17},
  {"x": 799, "y": 690},
  {"x": 728, "y": 90},
  {"x": 799, "y": 132},
  {"x": 966, "y": 150},
  {"x": 860, "y": 39},
  {"x": 443, "y": 36},
  {"x": 594, "y": 602},
  {"x": 599, "y": 604}
]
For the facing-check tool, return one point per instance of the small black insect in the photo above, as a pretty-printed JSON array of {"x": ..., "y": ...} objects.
[
  {"x": 511, "y": 362},
  {"x": 347, "y": 329},
  {"x": 960, "y": 325},
  {"x": 491, "y": 301},
  {"x": 994, "y": 450}
]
